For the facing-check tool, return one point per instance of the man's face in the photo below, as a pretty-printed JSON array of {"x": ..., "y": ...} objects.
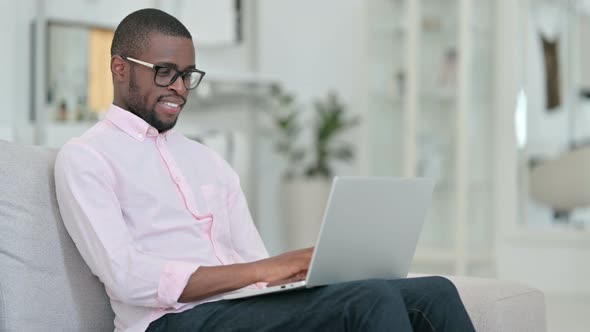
[{"x": 160, "y": 106}]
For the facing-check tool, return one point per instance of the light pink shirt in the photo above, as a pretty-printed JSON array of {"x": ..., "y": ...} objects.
[{"x": 146, "y": 210}]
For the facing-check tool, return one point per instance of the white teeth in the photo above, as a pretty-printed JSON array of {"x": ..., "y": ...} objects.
[{"x": 170, "y": 104}]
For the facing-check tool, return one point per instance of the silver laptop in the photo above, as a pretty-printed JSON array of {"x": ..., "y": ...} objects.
[{"x": 370, "y": 230}]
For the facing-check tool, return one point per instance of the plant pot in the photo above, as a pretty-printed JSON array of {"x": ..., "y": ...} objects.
[{"x": 304, "y": 203}]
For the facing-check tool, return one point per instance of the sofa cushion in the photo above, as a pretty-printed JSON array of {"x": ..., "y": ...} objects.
[{"x": 44, "y": 283}]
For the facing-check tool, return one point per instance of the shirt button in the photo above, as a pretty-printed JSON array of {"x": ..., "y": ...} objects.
[
  {"x": 178, "y": 179},
  {"x": 139, "y": 135},
  {"x": 152, "y": 131}
]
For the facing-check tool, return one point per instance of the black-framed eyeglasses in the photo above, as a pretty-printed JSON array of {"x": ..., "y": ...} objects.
[{"x": 165, "y": 76}]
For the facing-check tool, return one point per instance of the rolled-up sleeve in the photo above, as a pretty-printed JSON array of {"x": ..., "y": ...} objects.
[{"x": 85, "y": 188}]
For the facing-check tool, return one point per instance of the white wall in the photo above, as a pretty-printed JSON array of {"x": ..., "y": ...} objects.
[
  {"x": 313, "y": 47},
  {"x": 8, "y": 57}
]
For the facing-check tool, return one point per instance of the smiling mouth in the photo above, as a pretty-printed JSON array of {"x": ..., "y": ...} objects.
[
  {"x": 172, "y": 105},
  {"x": 171, "y": 108}
]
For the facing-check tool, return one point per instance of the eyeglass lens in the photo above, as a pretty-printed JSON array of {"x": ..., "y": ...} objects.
[{"x": 165, "y": 76}]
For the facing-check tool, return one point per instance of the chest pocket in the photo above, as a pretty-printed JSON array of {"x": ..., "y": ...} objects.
[{"x": 216, "y": 198}]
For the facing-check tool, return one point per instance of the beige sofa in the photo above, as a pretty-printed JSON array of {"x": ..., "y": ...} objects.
[{"x": 46, "y": 286}]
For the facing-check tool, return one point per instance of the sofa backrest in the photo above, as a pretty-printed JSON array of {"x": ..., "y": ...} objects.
[{"x": 44, "y": 283}]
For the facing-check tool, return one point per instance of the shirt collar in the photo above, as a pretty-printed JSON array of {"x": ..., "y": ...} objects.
[{"x": 131, "y": 124}]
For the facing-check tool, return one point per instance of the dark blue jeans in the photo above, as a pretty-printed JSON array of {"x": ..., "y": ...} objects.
[{"x": 415, "y": 304}]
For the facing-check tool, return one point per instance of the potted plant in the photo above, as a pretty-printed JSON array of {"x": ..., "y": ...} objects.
[
  {"x": 284, "y": 114},
  {"x": 309, "y": 167},
  {"x": 330, "y": 121}
]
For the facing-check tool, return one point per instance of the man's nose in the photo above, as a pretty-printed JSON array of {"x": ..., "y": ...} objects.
[{"x": 178, "y": 86}]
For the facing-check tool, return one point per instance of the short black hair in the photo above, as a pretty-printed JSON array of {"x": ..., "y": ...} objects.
[{"x": 132, "y": 35}]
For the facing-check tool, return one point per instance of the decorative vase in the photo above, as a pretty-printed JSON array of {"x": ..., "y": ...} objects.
[{"x": 304, "y": 203}]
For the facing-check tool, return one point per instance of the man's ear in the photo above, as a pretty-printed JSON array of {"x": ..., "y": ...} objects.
[{"x": 119, "y": 68}]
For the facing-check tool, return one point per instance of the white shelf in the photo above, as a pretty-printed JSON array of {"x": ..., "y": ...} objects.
[{"x": 443, "y": 115}]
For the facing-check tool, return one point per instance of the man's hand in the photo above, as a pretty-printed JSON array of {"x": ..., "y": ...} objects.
[
  {"x": 298, "y": 277},
  {"x": 290, "y": 266},
  {"x": 212, "y": 280}
]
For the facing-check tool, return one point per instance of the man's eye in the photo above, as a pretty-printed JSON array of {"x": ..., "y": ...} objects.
[{"x": 165, "y": 71}]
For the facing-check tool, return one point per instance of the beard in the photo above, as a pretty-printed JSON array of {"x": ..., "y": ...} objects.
[{"x": 138, "y": 105}]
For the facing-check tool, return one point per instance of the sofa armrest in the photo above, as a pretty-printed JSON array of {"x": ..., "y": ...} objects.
[{"x": 497, "y": 305}]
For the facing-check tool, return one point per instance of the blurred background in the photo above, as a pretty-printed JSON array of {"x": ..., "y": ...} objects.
[{"x": 487, "y": 97}]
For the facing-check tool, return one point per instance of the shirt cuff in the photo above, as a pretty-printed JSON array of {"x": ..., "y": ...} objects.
[{"x": 173, "y": 282}]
